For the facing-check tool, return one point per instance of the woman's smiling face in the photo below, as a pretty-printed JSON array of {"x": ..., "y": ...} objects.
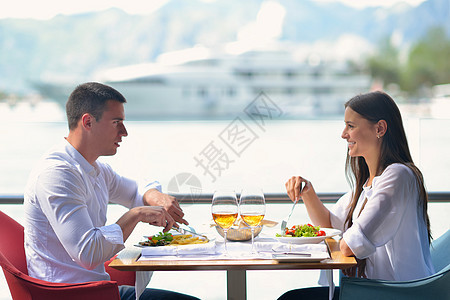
[{"x": 361, "y": 135}]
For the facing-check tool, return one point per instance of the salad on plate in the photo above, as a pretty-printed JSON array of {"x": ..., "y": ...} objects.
[
  {"x": 169, "y": 239},
  {"x": 306, "y": 234},
  {"x": 306, "y": 230}
]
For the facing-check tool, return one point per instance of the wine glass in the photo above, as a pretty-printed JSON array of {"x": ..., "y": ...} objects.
[
  {"x": 252, "y": 208},
  {"x": 224, "y": 210}
]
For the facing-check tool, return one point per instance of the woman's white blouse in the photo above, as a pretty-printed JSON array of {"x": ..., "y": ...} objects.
[{"x": 390, "y": 232}]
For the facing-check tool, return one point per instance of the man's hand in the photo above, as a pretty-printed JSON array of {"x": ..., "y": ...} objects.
[
  {"x": 155, "y": 198},
  {"x": 155, "y": 215}
]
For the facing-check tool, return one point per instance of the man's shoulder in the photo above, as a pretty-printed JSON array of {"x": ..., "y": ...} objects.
[
  {"x": 105, "y": 168},
  {"x": 55, "y": 162},
  {"x": 58, "y": 159},
  {"x": 53, "y": 169}
]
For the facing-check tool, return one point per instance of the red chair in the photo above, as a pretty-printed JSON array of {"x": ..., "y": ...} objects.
[{"x": 23, "y": 287}]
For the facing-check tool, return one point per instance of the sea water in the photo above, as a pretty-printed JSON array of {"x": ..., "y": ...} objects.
[
  {"x": 237, "y": 153},
  {"x": 203, "y": 156}
]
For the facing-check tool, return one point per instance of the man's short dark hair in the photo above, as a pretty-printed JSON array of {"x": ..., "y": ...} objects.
[{"x": 90, "y": 97}]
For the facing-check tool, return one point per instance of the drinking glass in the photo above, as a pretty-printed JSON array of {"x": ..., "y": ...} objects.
[
  {"x": 252, "y": 208},
  {"x": 224, "y": 210}
]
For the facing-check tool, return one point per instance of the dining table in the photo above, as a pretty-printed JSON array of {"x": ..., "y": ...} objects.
[{"x": 128, "y": 260}]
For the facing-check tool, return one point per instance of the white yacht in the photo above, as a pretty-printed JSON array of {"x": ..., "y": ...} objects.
[{"x": 199, "y": 82}]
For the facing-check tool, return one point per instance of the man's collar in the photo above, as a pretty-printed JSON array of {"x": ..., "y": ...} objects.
[{"x": 84, "y": 164}]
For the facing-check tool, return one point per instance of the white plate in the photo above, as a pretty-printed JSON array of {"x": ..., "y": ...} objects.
[
  {"x": 174, "y": 234},
  {"x": 329, "y": 232}
]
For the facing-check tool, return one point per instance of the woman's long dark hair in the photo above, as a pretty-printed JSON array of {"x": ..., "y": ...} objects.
[{"x": 376, "y": 106}]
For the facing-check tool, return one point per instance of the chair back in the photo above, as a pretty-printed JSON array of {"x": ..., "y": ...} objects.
[
  {"x": 440, "y": 252},
  {"x": 435, "y": 286},
  {"x": 12, "y": 242},
  {"x": 24, "y": 287},
  {"x": 432, "y": 287},
  {"x": 12, "y": 256}
]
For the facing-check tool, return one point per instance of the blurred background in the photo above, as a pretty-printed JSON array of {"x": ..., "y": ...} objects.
[
  {"x": 226, "y": 94},
  {"x": 274, "y": 46},
  {"x": 188, "y": 68}
]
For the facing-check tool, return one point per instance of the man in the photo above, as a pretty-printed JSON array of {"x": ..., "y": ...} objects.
[{"x": 68, "y": 192}]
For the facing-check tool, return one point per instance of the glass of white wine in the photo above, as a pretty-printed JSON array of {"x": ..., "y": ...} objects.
[
  {"x": 224, "y": 211},
  {"x": 252, "y": 208}
]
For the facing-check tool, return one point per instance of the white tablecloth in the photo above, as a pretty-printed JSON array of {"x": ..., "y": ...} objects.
[{"x": 216, "y": 251}]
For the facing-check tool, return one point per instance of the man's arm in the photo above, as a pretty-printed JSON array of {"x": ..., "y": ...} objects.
[
  {"x": 63, "y": 202},
  {"x": 153, "y": 197},
  {"x": 124, "y": 191},
  {"x": 155, "y": 215}
]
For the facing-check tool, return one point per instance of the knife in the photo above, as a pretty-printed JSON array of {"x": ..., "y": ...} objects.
[
  {"x": 293, "y": 253},
  {"x": 288, "y": 253}
]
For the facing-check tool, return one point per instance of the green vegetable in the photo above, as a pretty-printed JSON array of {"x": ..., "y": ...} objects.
[
  {"x": 306, "y": 230},
  {"x": 159, "y": 239},
  {"x": 162, "y": 236}
]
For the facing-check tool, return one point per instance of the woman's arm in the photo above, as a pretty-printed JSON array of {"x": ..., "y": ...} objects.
[
  {"x": 345, "y": 249},
  {"x": 317, "y": 212},
  {"x": 393, "y": 194}
]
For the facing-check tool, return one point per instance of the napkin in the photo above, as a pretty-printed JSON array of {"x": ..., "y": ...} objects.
[
  {"x": 142, "y": 280},
  {"x": 193, "y": 249},
  {"x": 295, "y": 248}
]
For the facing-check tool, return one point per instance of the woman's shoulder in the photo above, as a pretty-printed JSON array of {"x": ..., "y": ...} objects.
[
  {"x": 398, "y": 167},
  {"x": 398, "y": 171}
]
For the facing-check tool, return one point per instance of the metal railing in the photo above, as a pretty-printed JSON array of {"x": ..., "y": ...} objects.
[{"x": 270, "y": 198}]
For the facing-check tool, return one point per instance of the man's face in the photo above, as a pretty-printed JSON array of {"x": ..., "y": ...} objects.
[{"x": 109, "y": 130}]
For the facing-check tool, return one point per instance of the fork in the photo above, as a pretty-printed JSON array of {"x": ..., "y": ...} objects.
[{"x": 285, "y": 220}]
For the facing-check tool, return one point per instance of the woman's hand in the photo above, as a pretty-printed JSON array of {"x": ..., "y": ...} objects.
[
  {"x": 294, "y": 187},
  {"x": 318, "y": 213}
]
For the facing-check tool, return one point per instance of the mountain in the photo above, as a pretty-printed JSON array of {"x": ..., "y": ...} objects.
[{"x": 73, "y": 47}]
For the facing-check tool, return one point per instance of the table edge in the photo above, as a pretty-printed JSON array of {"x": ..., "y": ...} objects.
[{"x": 127, "y": 261}]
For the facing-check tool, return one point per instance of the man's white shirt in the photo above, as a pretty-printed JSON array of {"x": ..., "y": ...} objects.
[{"x": 65, "y": 202}]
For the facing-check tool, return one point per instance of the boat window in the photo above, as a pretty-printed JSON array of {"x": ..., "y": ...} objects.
[
  {"x": 231, "y": 92},
  {"x": 289, "y": 74},
  {"x": 202, "y": 92}
]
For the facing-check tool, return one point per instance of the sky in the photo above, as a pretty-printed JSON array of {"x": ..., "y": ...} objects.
[{"x": 46, "y": 9}]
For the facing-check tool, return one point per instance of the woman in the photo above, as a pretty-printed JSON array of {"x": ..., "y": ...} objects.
[{"x": 384, "y": 218}]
